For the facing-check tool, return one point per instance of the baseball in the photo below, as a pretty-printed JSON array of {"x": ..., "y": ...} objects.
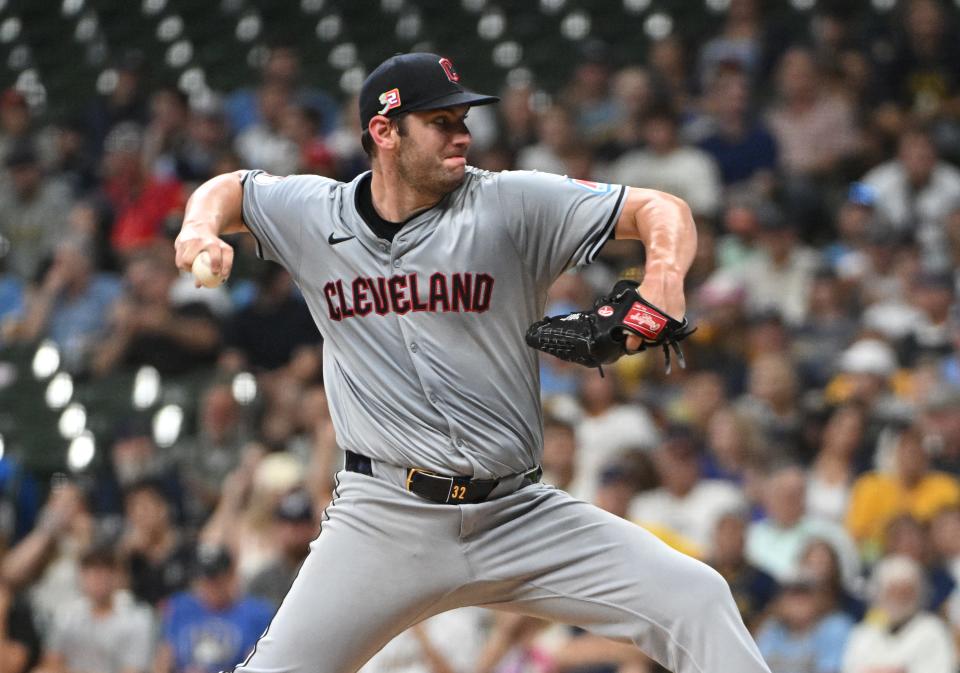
[{"x": 203, "y": 273}]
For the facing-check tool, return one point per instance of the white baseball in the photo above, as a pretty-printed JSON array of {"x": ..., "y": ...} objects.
[{"x": 203, "y": 273}]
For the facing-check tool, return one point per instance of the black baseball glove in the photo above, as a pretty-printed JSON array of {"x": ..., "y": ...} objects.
[{"x": 598, "y": 337}]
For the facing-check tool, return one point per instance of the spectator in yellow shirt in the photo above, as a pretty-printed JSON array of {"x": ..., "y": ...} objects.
[{"x": 912, "y": 488}]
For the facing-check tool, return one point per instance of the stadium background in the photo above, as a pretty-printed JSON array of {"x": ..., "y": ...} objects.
[{"x": 157, "y": 439}]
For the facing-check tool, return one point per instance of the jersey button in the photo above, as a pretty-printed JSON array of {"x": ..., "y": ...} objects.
[
  {"x": 396, "y": 263},
  {"x": 459, "y": 442},
  {"x": 414, "y": 348},
  {"x": 434, "y": 398},
  {"x": 384, "y": 247}
]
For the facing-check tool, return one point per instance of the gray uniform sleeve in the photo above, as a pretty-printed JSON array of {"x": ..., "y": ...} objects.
[
  {"x": 557, "y": 222},
  {"x": 275, "y": 209}
]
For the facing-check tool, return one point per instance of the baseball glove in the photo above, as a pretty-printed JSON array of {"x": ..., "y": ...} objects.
[{"x": 598, "y": 337}]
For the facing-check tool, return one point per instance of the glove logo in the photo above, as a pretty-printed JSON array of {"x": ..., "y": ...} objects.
[
  {"x": 647, "y": 322},
  {"x": 605, "y": 311},
  {"x": 389, "y": 100}
]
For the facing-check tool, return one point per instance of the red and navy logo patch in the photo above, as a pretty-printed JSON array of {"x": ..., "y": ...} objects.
[
  {"x": 645, "y": 320},
  {"x": 389, "y": 100},
  {"x": 591, "y": 186},
  {"x": 448, "y": 68}
]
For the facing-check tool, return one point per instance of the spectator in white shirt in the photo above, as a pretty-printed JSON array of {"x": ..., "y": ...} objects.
[
  {"x": 666, "y": 164},
  {"x": 685, "y": 508},
  {"x": 897, "y": 636},
  {"x": 916, "y": 192}
]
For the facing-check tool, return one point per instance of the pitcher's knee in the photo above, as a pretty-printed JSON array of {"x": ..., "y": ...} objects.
[{"x": 703, "y": 590}]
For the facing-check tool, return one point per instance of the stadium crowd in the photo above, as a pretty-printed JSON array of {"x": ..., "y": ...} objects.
[{"x": 810, "y": 451}]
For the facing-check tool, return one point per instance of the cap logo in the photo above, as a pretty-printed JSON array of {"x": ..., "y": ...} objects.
[
  {"x": 448, "y": 68},
  {"x": 389, "y": 100}
]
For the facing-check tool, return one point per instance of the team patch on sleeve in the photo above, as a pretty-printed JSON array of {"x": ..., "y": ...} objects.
[
  {"x": 592, "y": 187},
  {"x": 267, "y": 179}
]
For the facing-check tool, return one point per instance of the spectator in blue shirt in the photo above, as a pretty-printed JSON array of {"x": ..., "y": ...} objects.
[
  {"x": 804, "y": 635},
  {"x": 212, "y": 627}
]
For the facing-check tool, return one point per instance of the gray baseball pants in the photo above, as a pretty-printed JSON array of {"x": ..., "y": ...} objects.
[{"x": 387, "y": 559}]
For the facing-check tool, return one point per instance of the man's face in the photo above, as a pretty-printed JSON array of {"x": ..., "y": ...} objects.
[{"x": 431, "y": 155}]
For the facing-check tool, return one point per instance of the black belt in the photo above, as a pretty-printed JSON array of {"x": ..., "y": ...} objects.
[{"x": 438, "y": 488}]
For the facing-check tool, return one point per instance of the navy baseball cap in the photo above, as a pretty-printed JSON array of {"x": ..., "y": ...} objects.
[{"x": 418, "y": 81}]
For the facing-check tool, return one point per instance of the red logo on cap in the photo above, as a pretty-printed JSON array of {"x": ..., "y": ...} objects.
[
  {"x": 448, "y": 68},
  {"x": 389, "y": 100}
]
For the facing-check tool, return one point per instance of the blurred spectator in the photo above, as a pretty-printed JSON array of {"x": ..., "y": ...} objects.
[
  {"x": 33, "y": 212},
  {"x": 941, "y": 425},
  {"x": 906, "y": 536},
  {"x": 897, "y": 635},
  {"x": 48, "y": 559},
  {"x": 685, "y": 508},
  {"x": 124, "y": 102},
  {"x": 73, "y": 162},
  {"x": 814, "y": 130},
  {"x": 732, "y": 445},
  {"x": 19, "y": 640},
  {"x": 856, "y": 220},
  {"x": 517, "y": 119},
  {"x": 71, "y": 304},
  {"x": 916, "y": 191},
  {"x": 556, "y": 135},
  {"x": 450, "y": 641},
  {"x": 274, "y": 324},
  {"x": 670, "y": 166},
  {"x": 752, "y": 588},
  {"x": 820, "y": 560},
  {"x": 134, "y": 456},
  {"x": 243, "y": 521},
  {"x": 740, "y": 40},
  {"x": 295, "y": 526},
  {"x": 912, "y": 488},
  {"x": 16, "y": 123},
  {"x": 301, "y": 124},
  {"x": 771, "y": 405},
  {"x": 932, "y": 294},
  {"x": 207, "y": 136},
  {"x": 587, "y": 94},
  {"x": 215, "y": 450},
  {"x": 740, "y": 144},
  {"x": 805, "y": 632},
  {"x": 165, "y": 138},
  {"x": 146, "y": 328},
  {"x": 775, "y": 543},
  {"x": 282, "y": 70},
  {"x": 745, "y": 218},
  {"x": 213, "y": 626},
  {"x": 559, "y": 452},
  {"x": 12, "y": 296},
  {"x": 826, "y": 330},
  {"x": 622, "y": 480},
  {"x": 920, "y": 75},
  {"x": 780, "y": 276},
  {"x": 141, "y": 200},
  {"x": 669, "y": 61},
  {"x": 865, "y": 371},
  {"x": 608, "y": 427},
  {"x": 512, "y": 646},
  {"x": 158, "y": 556},
  {"x": 105, "y": 630},
  {"x": 633, "y": 94},
  {"x": 834, "y": 468},
  {"x": 262, "y": 144},
  {"x": 945, "y": 539}
]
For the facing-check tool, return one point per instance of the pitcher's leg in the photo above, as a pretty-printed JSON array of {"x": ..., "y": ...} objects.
[
  {"x": 380, "y": 564},
  {"x": 584, "y": 566}
]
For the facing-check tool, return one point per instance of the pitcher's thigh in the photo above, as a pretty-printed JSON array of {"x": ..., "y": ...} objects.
[
  {"x": 590, "y": 568},
  {"x": 358, "y": 588}
]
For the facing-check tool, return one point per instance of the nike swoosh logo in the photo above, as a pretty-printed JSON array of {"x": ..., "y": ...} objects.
[{"x": 333, "y": 240}]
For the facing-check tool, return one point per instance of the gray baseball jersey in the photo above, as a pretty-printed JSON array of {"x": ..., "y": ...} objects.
[{"x": 424, "y": 359}]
